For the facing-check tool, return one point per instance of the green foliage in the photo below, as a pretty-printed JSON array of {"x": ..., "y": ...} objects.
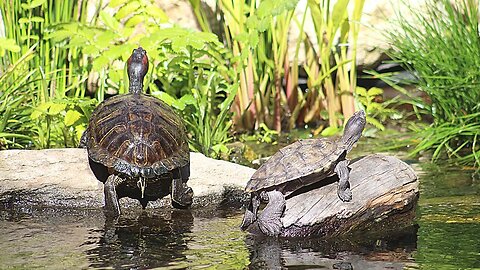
[
  {"x": 376, "y": 112},
  {"x": 199, "y": 89},
  {"x": 257, "y": 34},
  {"x": 35, "y": 72},
  {"x": 188, "y": 71},
  {"x": 441, "y": 46},
  {"x": 44, "y": 105}
]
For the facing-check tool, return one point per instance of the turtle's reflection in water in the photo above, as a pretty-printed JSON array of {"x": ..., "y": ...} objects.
[
  {"x": 141, "y": 240},
  {"x": 387, "y": 252}
]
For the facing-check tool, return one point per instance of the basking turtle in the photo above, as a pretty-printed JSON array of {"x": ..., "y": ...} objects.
[
  {"x": 142, "y": 143},
  {"x": 297, "y": 165}
]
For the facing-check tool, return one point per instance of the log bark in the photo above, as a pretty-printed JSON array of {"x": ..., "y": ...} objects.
[{"x": 384, "y": 189}]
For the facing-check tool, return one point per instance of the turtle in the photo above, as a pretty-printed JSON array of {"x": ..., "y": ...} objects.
[
  {"x": 141, "y": 142},
  {"x": 295, "y": 166}
]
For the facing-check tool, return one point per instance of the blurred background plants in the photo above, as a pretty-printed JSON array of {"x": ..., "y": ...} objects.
[
  {"x": 258, "y": 35},
  {"x": 440, "y": 46},
  {"x": 253, "y": 70}
]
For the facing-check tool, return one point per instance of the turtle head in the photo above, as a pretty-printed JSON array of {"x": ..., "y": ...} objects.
[
  {"x": 137, "y": 67},
  {"x": 353, "y": 129}
]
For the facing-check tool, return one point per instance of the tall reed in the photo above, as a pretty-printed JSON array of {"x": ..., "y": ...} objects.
[{"x": 440, "y": 45}]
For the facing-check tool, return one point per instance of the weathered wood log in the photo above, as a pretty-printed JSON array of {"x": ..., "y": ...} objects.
[{"x": 384, "y": 188}]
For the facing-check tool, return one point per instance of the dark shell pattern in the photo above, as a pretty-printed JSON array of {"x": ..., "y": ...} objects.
[
  {"x": 137, "y": 135},
  {"x": 302, "y": 159}
]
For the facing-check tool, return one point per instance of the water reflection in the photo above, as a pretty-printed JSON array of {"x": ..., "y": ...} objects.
[
  {"x": 144, "y": 241},
  {"x": 355, "y": 252}
]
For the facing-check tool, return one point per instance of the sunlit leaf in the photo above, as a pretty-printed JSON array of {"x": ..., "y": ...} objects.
[
  {"x": 361, "y": 91},
  {"x": 375, "y": 91},
  {"x": 127, "y": 10},
  {"x": 109, "y": 21},
  {"x": 71, "y": 117},
  {"x": 116, "y": 3},
  {"x": 330, "y": 131},
  {"x": 39, "y": 110},
  {"x": 33, "y": 4},
  {"x": 56, "y": 108},
  {"x": 375, "y": 123}
]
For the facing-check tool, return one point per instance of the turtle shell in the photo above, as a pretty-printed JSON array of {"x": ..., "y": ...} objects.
[
  {"x": 296, "y": 165},
  {"x": 137, "y": 135}
]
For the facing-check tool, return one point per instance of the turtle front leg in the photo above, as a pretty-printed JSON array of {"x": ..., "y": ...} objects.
[
  {"x": 343, "y": 190},
  {"x": 250, "y": 215},
  {"x": 112, "y": 206},
  {"x": 269, "y": 220}
]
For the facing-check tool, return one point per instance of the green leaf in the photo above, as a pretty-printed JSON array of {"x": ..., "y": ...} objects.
[
  {"x": 135, "y": 20},
  {"x": 361, "y": 91},
  {"x": 109, "y": 21},
  {"x": 339, "y": 12},
  {"x": 157, "y": 13},
  {"x": 56, "y": 108},
  {"x": 375, "y": 123},
  {"x": 71, "y": 117},
  {"x": 127, "y": 10},
  {"x": 99, "y": 63},
  {"x": 31, "y": 19},
  {"x": 188, "y": 99},
  {"x": 330, "y": 131},
  {"x": 9, "y": 45},
  {"x": 253, "y": 39},
  {"x": 33, "y": 4},
  {"x": 116, "y": 3},
  {"x": 39, "y": 110},
  {"x": 165, "y": 97},
  {"x": 374, "y": 91}
]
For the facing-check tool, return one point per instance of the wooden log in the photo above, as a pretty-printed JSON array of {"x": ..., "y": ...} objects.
[{"x": 384, "y": 188}]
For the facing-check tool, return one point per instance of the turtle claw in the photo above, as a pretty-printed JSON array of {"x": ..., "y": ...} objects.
[
  {"x": 248, "y": 219},
  {"x": 345, "y": 195}
]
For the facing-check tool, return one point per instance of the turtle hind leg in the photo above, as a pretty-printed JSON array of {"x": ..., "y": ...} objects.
[
  {"x": 112, "y": 206},
  {"x": 250, "y": 215},
  {"x": 343, "y": 190},
  {"x": 182, "y": 195},
  {"x": 269, "y": 220}
]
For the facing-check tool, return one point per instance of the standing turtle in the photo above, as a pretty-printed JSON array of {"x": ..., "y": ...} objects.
[
  {"x": 141, "y": 142},
  {"x": 297, "y": 165}
]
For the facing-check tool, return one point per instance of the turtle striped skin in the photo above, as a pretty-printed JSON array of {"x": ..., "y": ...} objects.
[
  {"x": 137, "y": 145},
  {"x": 298, "y": 165}
]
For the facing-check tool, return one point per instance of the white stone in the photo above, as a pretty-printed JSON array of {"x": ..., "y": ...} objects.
[{"x": 62, "y": 177}]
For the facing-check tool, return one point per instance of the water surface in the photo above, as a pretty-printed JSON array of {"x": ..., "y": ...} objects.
[{"x": 445, "y": 236}]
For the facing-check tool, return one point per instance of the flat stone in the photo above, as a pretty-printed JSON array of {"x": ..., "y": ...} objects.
[{"x": 62, "y": 178}]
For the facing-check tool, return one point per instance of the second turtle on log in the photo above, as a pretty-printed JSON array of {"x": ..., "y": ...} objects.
[{"x": 297, "y": 165}]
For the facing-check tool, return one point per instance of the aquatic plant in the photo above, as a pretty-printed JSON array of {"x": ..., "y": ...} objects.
[
  {"x": 440, "y": 46},
  {"x": 257, "y": 33},
  {"x": 52, "y": 67}
]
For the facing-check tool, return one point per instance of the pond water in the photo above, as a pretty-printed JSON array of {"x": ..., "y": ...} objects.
[{"x": 445, "y": 236}]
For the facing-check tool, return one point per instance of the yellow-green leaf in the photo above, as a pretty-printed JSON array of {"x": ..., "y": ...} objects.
[
  {"x": 33, "y": 4},
  {"x": 375, "y": 91},
  {"x": 39, "y": 110},
  {"x": 71, "y": 117},
  {"x": 56, "y": 108},
  {"x": 361, "y": 91}
]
